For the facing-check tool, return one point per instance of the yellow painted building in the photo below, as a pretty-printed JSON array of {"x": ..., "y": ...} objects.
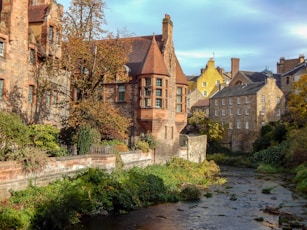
[{"x": 210, "y": 80}]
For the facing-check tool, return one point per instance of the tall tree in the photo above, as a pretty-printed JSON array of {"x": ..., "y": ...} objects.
[
  {"x": 93, "y": 56},
  {"x": 297, "y": 105}
]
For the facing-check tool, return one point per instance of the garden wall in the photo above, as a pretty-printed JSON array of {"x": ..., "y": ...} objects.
[{"x": 12, "y": 176}]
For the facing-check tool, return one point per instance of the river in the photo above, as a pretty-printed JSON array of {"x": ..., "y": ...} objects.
[{"x": 247, "y": 201}]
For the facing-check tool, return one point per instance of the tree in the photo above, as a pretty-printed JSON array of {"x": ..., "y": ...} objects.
[
  {"x": 203, "y": 125},
  {"x": 297, "y": 105},
  {"x": 92, "y": 62}
]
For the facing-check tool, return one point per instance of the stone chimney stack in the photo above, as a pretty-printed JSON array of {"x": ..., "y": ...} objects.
[
  {"x": 167, "y": 28},
  {"x": 302, "y": 58},
  {"x": 235, "y": 66}
]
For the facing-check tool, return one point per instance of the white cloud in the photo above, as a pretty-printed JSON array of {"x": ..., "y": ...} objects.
[{"x": 299, "y": 30}]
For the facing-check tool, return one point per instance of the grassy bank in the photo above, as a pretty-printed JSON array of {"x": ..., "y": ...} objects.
[{"x": 94, "y": 192}]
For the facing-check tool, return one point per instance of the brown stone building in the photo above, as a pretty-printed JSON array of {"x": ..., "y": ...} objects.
[
  {"x": 155, "y": 96},
  {"x": 31, "y": 83},
  {"x": 291, "y": 70},
  {"x": 244, "y": 108}
]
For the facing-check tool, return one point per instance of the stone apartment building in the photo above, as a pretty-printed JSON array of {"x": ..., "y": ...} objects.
[
  {"x": 155, "y": 96},
  {"x": 244, "y": 108},
  {"x": 31, "y": 83}
]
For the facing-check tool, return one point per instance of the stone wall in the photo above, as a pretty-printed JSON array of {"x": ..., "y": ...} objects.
[
  {"x": 12, "y": 176},
  {"x": 193, "y": 148}
]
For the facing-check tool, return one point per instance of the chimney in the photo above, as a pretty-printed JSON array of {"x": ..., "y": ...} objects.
[
  {"x": 301, "y": 58},
  {"x": 235, "y": 65},
  {"x": 167, "y": 28}
]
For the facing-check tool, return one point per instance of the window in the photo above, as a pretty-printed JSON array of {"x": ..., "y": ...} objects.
[
  {"x": 57, "y": 37},
  {"x": 159, "y": 82},
  {"x": 158, "y": 103},
  {"x": 54, "y": 98},
  {"x": 147, "y": 102},
  {"x": 238, "y": 111},
  {"x": 147, "y": 92},
  {"x": 147, "y": 81},
  {"x": 216, "y": 102},
  {"x": 278, "y": 100},
  {"x": 48, "y": 99},
  {"x": 159, "y": 92},
  {"x": 246, "y": 125},
  {"x": 230, "y": 111},
  {"x": 217, "y": 82},
  {"x": 216, "y": 112},
  {"x": 205, "y": 93},
  {"x": 204, "y": 84},
  {"x": 278, "y": 112},
  {"x": 238, "y": 125},
  {"x": 262, "y": 98},
  {"x": 238, "y": 100},
  {"x": 50, "y": 34},
  {"x": 2, "y": 48},
  {"x": 230, "y": 125},
  {"x": 31, "y": 94},
  {"x": 287, "y": 80},
  {"x": 246, "y": 111},
  {"x": 230, "y": 101},
  {"x": 121, "y": 93},
  {"x": 179, "y": 100},
  {"x": 223, "y": 101},
  {"x": 32, "y": 56},
  {"x": 165, "y": 132},
  {"x": 246, "y": 99},
  {"x": 223, "y": 112},
  {"x": 262, "y": 110},
  {"x": 1, "y": 88}
]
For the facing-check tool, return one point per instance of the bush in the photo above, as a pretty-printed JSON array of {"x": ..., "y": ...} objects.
[
  {"x": 274, "y": 155},
  {"x": 143, "y": 146},
  {"x": 190, "y": 192},
  {"x": 301, "y": 178},
  {"x": 11, "y": 218},
  {"x": 264, "y": 168}
]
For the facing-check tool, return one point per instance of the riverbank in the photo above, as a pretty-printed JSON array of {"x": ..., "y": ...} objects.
[
  {"x": 95, "y": 192},
  {"x": 249, "y": 200}
]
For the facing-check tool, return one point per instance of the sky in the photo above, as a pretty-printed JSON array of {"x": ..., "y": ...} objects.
[{"x": 258, "y": 32}]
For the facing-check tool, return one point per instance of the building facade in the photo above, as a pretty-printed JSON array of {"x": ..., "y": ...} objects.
[
  {"x": 31, "y": 84},
  {"x": 155, "y": 96},
  {"x": 244, "y": 108}
]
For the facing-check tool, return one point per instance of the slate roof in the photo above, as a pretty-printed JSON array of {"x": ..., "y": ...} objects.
[
  {"x": 254, "y": 77},
  {"x": 37, "y": 13},
  {"x": 296, "y": 69},
  {"x": 239, "y": 90}
]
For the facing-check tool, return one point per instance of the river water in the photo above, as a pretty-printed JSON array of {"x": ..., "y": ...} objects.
[{"x": 239, "y": 204}]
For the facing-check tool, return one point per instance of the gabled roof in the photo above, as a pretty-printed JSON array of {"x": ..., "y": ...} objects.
[
  {"x": 154, "y": 62},
  {"x": 180, "y": 76},
  {"x": 296, "y": 69},
  {"x": 37, "y": 13},
  {"x": 254, "y": 76},
  {"x": 201, "y": 103},
  {"x": 239, "y": 90}
]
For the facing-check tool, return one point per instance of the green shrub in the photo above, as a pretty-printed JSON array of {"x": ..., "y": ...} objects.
[
  {"x": 143, "y": 146},
  {"x": 264, "y": 168},
  {"x": 190, "y": 192},
  {"x": 11, "y": 218},
  {"x": 274, "y": 155},
  {"x": 301, "y": 178},
  {"x": 149, "y": 138}
]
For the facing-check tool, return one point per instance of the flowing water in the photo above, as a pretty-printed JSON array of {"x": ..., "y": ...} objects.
[{"x": 247, "y": 201}]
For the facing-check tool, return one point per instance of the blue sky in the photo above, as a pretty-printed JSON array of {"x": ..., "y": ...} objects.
[{"x": 258, "y": 32}]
